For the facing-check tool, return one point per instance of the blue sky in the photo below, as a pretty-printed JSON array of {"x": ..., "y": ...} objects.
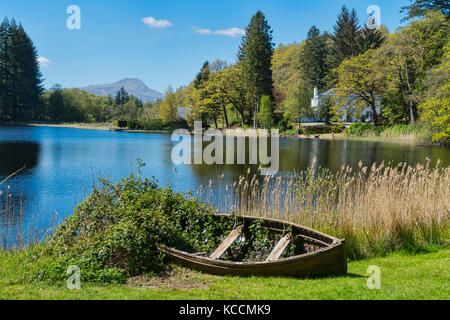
[{"x": 169, "y": 47}]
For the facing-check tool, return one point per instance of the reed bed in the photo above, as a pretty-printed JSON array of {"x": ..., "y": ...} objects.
[
  {"x": 18, "y": 230},
  {"x": 23, "y": 226},
  {"x": 377, "y": 210}
]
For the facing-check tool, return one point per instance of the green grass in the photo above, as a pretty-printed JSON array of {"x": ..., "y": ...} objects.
[{"x": 404, "y": 276}]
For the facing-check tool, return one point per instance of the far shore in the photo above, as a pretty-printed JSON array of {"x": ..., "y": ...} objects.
[{"x": 407, "y": 139}]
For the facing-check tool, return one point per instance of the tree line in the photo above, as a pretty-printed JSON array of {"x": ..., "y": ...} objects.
[
  {"x": 268, "y": 86},
  {"x": 20, "y": 77},
  {"x": 22, "y": 96},
  {"x": 71, "y": 105}
]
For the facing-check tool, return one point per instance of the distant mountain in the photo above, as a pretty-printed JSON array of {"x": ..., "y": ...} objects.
[{"x": 134, "y": 87}]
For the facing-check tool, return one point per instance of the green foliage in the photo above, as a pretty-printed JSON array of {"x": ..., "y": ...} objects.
[
  {"x": 325, "y": 110},
  {"x": 255, "y": 56},
  {"x": 315, "y": 58},
  {"x": 202, "y": 76},
  {"x": 419, "y": 8},
  {"x": 265, "y": 115},
  {"x": 283, "y": 125},
  {"x": 370, "y": 39},
  {"x": 20, "y": 77},
  {"x": 169, "y": 108},
  {"x": 286, "y": 65},
  {"x": 317, "y": 129},
  {"x": 363, "y": 129},
  {"x": 74, "y": 105},
  {"x": 345, "y": 36},
  {"x": 436, "y": 109},
  {"x": 298, "y": 101},
  {"x": 256, "y": 247},
  {"x": 364, "y": 80},
  {"x": 122, "y": 97},
  {"x": 113, "y": 234},
  {"x": 409, "y": 54},
  {"x": 421, "y": 133}
]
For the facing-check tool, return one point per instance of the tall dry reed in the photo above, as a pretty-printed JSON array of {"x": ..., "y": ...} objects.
[{"x": 377, "y": 210}]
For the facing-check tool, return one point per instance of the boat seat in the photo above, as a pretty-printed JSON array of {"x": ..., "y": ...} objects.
[
  {"x": 227, "y": 243},
  {"x": 279, "y": 248}
]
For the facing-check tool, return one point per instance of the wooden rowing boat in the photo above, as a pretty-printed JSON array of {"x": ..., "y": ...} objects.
[{"x": 315, "y": 254}]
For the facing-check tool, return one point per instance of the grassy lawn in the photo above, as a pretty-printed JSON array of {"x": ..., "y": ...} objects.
[{"x": 404, "y": 276}]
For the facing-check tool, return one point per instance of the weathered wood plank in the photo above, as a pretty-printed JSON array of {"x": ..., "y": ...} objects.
[
  {"x": 227, "y": 243},
  {"x": 279, "y": 249}
]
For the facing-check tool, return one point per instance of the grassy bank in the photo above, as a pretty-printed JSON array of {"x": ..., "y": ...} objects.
[
  {"x": 403, "y": 276},
  {"x": 397, "y": 217},
  {"x": 416, "y": 133},
  {"x": 85, "y": 126},
  {"x": 364, "y": 132}
]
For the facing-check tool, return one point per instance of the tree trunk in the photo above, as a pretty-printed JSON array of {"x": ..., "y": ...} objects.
[
  {"x": 412, "y": 112},
  {"x": 215, "y": 122},
  {"x": 412, "y": 107},
  {"x": 225, "y": 116},
  {"x": 374, "y": 114}
]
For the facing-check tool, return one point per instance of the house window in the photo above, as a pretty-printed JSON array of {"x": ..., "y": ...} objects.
[{"x": 369, "y": 114}]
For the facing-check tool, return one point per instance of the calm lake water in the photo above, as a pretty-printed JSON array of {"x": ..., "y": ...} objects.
[{"x": 62, "y": 163}]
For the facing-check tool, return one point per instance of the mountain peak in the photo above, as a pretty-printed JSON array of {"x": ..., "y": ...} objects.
[{"x": 134, "y": 86}]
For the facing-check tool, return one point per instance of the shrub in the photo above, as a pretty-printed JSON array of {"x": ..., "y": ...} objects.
[
  {"x": 317, "y": 130},
  {"x": 360, "y": 129},
  {"x": 265, "y": 116},
  {"x": 282, "y": 125},
  {"x": 122, "y": 124},
  {"x": 337, "y": 128},
  {"x": 113, "y": 234}
]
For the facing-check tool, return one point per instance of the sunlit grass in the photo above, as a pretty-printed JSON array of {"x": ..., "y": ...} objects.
[{"x": 403, "y": 276}]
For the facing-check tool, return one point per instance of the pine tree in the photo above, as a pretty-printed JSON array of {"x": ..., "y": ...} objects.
[
  {"x": 418, "y": 8},
  {"x": 346, "y": 36},
  {"x": 202, "y": 76},
  {"x": 4, "y": 68},
  {"x": 315, "y": 58},
  {"x": 56, "y": 106},
  {"x": 20, "y": 77},
  {"x": 29, "y": 85},
  {"x": 255, "y": 58},
  {"x": 122, "y": 97},
  {"x": 370, "y": 39}
]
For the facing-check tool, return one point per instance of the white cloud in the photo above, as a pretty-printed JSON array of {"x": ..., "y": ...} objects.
[
  {"x": 157, "y": 24},
  {"x": 201, "y": 30},
  {"x": 232, "y": 32},
  {"x": 43, "y": 62}
]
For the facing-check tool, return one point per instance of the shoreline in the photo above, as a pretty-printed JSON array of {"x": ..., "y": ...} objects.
[
  {"x": 83, "y": 126},
  {"x": 329, "y": 137}
]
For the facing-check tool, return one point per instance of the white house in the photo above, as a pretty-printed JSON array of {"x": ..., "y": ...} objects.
[{"x": 349, "y": 113}]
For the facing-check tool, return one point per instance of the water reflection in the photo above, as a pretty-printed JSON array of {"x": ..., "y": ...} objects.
[
  {"x": 15, "y": 155},
  {"x": 62, "y": 162}
]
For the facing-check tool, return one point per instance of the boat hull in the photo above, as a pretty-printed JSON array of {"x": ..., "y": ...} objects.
[{"x": 326, "y": 261}]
